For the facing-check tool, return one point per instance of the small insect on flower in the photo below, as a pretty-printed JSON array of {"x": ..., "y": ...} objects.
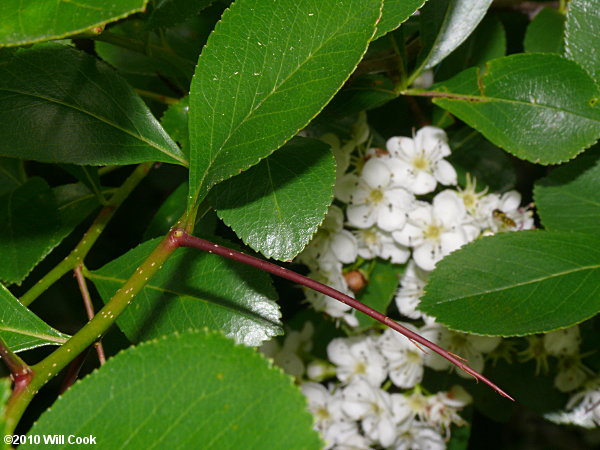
[{"x": 503, "y": 217}]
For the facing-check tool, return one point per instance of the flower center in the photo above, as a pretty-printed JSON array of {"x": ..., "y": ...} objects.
[
  {"x": 370, "y": 237},
  {"x": 322, "y": 413},
  {"x": 376, "y": 196},
  {"x": 420, "y": 163},
  {"x": 433, "y": 232},
  {"x": 360, "y": 369},
  {"x": 413, "y": 357}
]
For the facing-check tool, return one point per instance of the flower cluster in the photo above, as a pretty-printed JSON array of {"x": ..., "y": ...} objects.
[
  {"x": 357, "y": 412},
  {"x": 389, "y": 205}
]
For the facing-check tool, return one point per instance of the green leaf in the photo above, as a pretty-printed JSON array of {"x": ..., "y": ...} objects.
[
  {"x": 394, "y": 13},
  {"x": 581, "y": 35},
  {"x": 517, "y": 283},
  {"x": 545, "y": 32},
  {"x": 73, "y": 109},
  {"x": 29, "y": 223},
  {"x": 167, "y": 13},
  {"x": 175, "y": 122},
  {"x": 277, "y": 206},
  {"x": 194, "y": 290},
  {"x": 21, "y": 329},
  {"x": 12, "y": 174},
  {"x": 445, "y": 24},
  {"x": 567, "y": 199},
  {"x": 487, "y": 42},
  {"x": 41, "y": 20},
  {"x": 379, "y": 293},
  {"x": 32, "y": 223},
  {"x": 140, "y": 54},
  {"x": 184, "y": 391},
  {"x": 539, "y": 107},
  {"x": 267, "y": 69}
]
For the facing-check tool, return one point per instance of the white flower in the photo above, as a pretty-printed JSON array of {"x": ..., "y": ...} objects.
[
  {"x": 373, "y": 242},
  {"x": 420, "y": 437},
  {"x": 374, "y": 199},
  {"x": 345, "y": 435},
  {"x": 498, "y": 213},
  {"x": 571, "y": 373},
  {"x": 583, "y": 409},
  {"x": 562, "y": 342},
  {"x": 405, "y": 359},
  {"x": 357, "y": 356},
  {"x": 411, "y": 290},
  {"x": 422, "y": 158},
  {"x": 331, "y": 244},
  {"x": 323, "y": 404},
  {"x": 468, "y": 346},
  {"x": 444, "y": 406},
  {"x": 373, "y": 407},
  {"x": 434, "y": 230},
  {"x": 286, "y": 355},
  {"x": 321, "y": 302}
]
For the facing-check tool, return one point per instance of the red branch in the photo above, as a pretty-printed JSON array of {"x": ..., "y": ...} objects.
[{"x": 182, "y": 239}]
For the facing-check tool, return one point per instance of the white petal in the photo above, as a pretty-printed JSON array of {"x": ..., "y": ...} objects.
[
  {"x": 375, "y": 173},
  {"x": 510, "y": 201},
  {"x": 427, "y": 255},
  {"x": 390, "y": 217},
  {"x": 484, "y": 343},
  {"x": 361, "y": 216},
  {"x": 409, "y": 235},
  {"x": 448, "y": 208},
  {"x": 396, "y": 253},
  {"x": 423, "y": 183},
  {"x": 401, "y": 147},
  {"x": 345, "y": 186},
  {"x": 433, "y": 140},
  {"x": 444, "y": 172},
  {"x": 344, "y": 246},
  {"x": 452, "y": 241}
]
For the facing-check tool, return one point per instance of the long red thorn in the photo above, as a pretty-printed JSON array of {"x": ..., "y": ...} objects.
[{"x": 182, "y": 239}]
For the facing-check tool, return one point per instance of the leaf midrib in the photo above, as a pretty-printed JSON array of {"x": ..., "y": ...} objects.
[{"x": 520, "y": 284}]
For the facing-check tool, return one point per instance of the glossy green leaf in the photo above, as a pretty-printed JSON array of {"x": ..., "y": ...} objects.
[
  {"x": 277, "y": 206},
  {"x": 545, "y": 33},
  {"x": 539, "y": 107},
  {"x": 445, "y": 24},
  {"x": 487, "y": 42},
  {"x": 568, "y": 199},
  {"x": 194, "y": 290},
  {"x": 194, "y": 390},
  {"x": 581, "y": 35},
  {"x": 394, "y": 13},
  {"x": 171, "y": 12},
  {"x": 32, "y": 223},
  {"x": 268, "y": 68},
  {"x": 21, "y": 329},
  {"x": 12, "y": 174},
  {"x": 26, "y": 22},
  {"x": 380, "y": 291},
  {"x": 71, "y": 108},
  {"x": 175, "y": 122},
  {"x": 517, "y": 283}
]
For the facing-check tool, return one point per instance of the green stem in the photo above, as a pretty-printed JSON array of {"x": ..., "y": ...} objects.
[
  {"x": 89, "y": 238},
  {"x": 158, "y": 97},
  {"x": 91, "y": 332}
]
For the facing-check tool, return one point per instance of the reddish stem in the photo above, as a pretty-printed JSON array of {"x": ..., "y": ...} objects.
[
  {"x": 20, "y": 372},
  {"x": 182, "y": 239},
  {"x": 89, "y": 309}
]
